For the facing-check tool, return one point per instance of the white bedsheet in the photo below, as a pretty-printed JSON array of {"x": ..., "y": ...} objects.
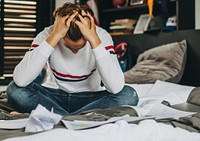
[{"x": 147, "y": 130}]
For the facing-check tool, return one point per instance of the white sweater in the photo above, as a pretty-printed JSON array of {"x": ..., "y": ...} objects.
[{"x": 71, "y": 72}]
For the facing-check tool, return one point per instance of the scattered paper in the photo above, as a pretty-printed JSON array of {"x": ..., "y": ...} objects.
[
  {"x": 80, "y": 124},
  {"x": 161, "y": 111},
  {"x": 136, "y": 119},
  {"x": 13, "y": 124},
  {"x": 41, "y": 119}
]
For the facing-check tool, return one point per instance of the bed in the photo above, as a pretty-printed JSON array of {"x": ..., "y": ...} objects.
[{"x": 136, "y": 123}]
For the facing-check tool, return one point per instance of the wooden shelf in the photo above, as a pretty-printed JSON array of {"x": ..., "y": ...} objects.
[
  {"x": 134, "y": 7},
  {"x": 109, "y": 13},
  {"x": 142, "y": 6}
]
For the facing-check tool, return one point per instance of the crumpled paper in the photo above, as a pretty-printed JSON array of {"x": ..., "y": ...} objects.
[{"x": 41, "y": 119}]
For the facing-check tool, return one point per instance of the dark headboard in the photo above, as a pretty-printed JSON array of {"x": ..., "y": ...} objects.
[{"x": 140, "y": 42}]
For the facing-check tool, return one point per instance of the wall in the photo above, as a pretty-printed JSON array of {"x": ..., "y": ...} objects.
[
  {"x": 60, "y": 2},
  {"x": 197, "y": 14}
]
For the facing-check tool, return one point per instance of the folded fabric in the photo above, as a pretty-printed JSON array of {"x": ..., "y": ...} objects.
[
  {"x": 194, "y": 96},
  {"x": 41, "y": 119},
  {"x": 165, "y": 63}
]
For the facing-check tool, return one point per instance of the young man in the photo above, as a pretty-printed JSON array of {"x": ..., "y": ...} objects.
[{"x": 79, "y": 56}]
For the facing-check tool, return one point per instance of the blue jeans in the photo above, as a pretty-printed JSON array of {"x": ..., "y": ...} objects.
[{"x": 26, "y": 99}]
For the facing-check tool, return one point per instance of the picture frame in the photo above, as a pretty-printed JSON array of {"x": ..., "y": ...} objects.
[
  {"x": 142, "y": 24},
  {"x": 137, "y": 2}
]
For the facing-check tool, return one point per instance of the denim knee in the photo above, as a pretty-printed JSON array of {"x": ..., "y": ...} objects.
[
  {"x": 17, "y": 96},
  {"x": 129, "y": 96},
  {"x": 10, "y": 91}
]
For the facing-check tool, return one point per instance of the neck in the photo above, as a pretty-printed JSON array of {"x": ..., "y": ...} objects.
[{"x": 74, "y": 50}]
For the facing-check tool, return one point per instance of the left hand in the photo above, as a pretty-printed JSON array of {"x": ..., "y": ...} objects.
[
  {"x": 88, "y": 29},
  {"x": 61, "y": 26}
]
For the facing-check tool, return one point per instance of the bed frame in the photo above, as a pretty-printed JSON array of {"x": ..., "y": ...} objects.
[{"x": 138, "y": 43}]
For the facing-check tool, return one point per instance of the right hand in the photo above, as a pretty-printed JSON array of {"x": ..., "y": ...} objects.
[
  {"x": 88, "y": 29},
  {"x": 60, "y": 29}
]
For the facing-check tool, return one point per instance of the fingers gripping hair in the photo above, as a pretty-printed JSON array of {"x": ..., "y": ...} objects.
[{"x": 67, "y": 10}]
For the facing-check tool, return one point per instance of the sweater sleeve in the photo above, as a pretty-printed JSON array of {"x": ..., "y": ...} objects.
[
  {"x": 33, "y": 62},
  {"x": 107, "y": 64}
]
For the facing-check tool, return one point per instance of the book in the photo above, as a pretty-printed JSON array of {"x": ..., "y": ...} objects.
[
  {"x": 125, "y": 20},
  {"x": 123, "y": 23},
  {"x": 119, "y": 33},
  {"x": 120, "y": 27}
]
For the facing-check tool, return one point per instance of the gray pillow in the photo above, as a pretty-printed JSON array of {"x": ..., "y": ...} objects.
[{"x": 165, "y": 63}]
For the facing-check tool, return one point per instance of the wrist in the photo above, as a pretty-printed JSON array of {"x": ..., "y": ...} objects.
[
  {"x": 53, "y": 39},
  {"x": 95, "y": 42}
]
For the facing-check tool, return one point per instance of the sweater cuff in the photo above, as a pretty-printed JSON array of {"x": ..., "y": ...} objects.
[{"x": 45, "y": 49}]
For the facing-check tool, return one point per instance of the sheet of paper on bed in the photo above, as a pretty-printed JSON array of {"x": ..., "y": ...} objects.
[
  {"x": 80, "y": 124},
  {"x": 13, "y": 124},
  {"x": 161, "y": 111},
  {"x": 41, "y": 119}
]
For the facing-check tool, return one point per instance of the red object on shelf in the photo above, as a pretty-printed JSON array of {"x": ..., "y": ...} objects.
[
  {"x": 137, "y": 2},
  {"x": 119, "y": 3}
]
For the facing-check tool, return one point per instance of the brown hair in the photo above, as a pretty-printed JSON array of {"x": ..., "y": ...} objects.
[{"x": 68, "y": 9}]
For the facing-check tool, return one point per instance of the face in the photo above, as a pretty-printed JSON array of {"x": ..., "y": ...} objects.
[{"x": 74, "y": 46}]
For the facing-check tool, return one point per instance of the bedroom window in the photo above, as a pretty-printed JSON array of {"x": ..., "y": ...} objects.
[
  {"x": 1, "y": 39},
  {"x": 19, "y": 31},
  {"x": 20, "y": 22}
]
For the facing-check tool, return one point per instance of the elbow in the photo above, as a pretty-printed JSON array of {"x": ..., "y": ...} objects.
[
  {"x": 117, "y": 87},
  {"x": 19, "y": 77},
  {"x": 20, "y": 82}
]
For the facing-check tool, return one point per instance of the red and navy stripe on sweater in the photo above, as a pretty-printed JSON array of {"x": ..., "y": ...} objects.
[{"x": 69, "y": 77}]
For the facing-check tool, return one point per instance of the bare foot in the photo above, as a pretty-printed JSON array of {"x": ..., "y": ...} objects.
[{"x": 15, "y": 113}]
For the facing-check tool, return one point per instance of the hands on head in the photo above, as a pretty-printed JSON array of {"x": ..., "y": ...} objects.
[
  {"x": 62, "y": 24},
  {"x": 74, "y": 22}
]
